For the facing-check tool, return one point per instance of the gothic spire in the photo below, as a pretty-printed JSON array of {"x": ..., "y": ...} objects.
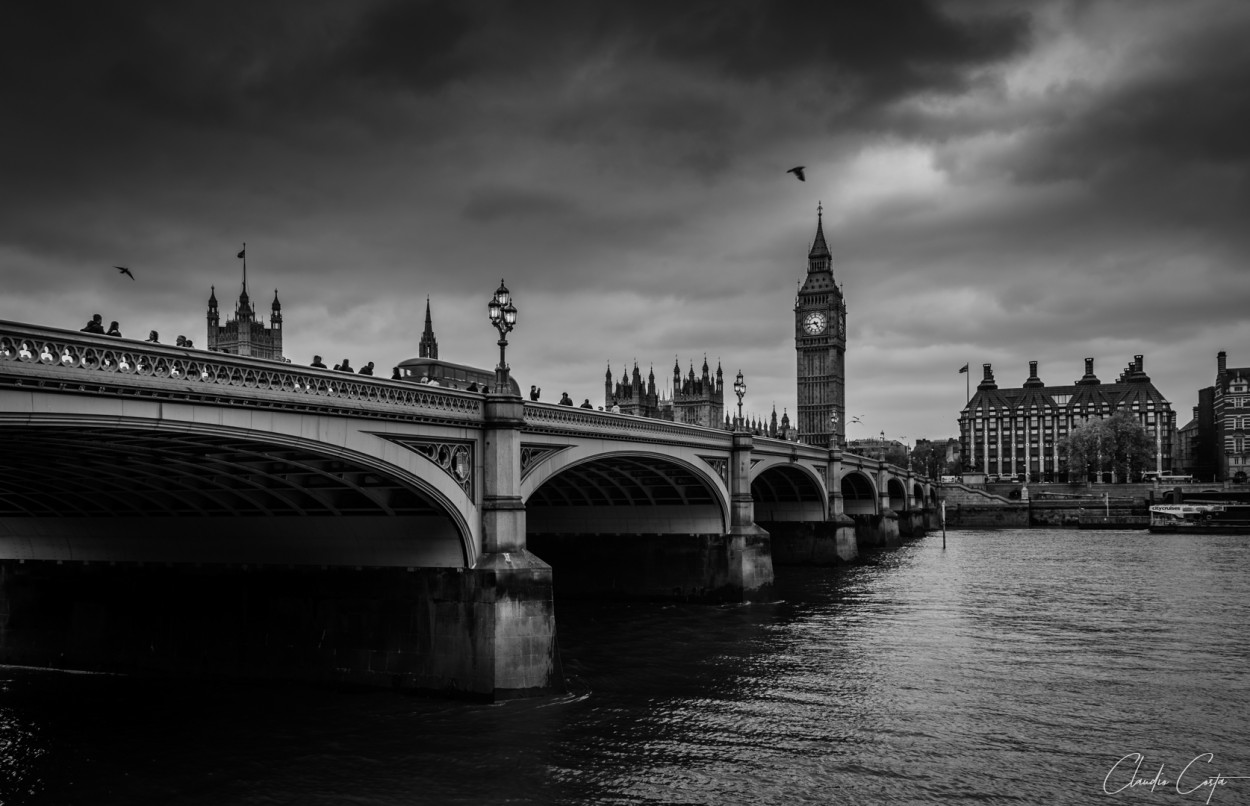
[
  {"x": 819, "y": 258},
  {"x": 428, "y": 348}
]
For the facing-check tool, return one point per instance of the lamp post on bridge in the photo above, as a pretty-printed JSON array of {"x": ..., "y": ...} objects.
[
  {"x": 833, "y": 428},
  {"x": 503, "y": 316},
  {"x": 740, "y": 389}
]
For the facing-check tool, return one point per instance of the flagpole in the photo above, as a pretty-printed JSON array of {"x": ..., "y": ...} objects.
[{"x": 245, "y": 267}]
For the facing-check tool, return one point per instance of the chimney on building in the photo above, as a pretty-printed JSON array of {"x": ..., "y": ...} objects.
[
  {"x": 1221, "y": 362},
  {"x": 987, "y": 381},
  {"x": 1033, "y": 381},
  {"x": 1089, "y": 377},
  {"x": 1140, "y": 363}
]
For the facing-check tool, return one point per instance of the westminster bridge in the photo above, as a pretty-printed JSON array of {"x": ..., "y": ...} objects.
[{"x": 166, "y": 508}]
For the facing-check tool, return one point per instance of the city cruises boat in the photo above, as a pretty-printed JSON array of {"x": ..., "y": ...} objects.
[{"x": 1201, "y": 517}]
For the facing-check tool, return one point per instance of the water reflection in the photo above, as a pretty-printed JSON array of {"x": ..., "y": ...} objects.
[{"x": 1012, "y": 667}]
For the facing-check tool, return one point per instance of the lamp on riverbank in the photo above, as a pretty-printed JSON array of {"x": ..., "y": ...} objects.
[
  {"x": 740, "y": 389},
  {"x": 503, "y": 316}
]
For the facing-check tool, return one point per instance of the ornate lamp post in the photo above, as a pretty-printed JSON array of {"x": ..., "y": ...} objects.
[
  {"x": 833, "y": 427},
  {"x": 740, "y": 389},
  {"x": 503, "y": 316}
]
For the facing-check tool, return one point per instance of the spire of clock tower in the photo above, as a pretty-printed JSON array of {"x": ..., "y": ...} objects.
[{"x": 820, "y": 258}]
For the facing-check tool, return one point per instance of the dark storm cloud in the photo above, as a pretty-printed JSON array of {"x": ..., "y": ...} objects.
[
  {"x": 995, "y": 176},
  {"x": 889, "y": 47}
]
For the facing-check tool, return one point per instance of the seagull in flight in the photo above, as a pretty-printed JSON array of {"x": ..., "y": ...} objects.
[
  {"x": 798, "y": 172},
  {"x": 857, "y": 418},
  {"x": 125, "y": 271}
]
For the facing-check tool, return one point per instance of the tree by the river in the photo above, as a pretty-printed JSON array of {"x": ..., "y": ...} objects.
[{"x": 1118, "y": 444}]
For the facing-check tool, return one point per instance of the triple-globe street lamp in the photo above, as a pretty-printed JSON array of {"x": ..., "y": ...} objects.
[
  {"x": 503, "y": 316},
  {"x": 740, "y": 389}
]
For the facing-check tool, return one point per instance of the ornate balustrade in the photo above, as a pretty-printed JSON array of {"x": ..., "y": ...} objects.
[
  {"x": 106, "y": 365},
  {"x": 556, "y": 419}
]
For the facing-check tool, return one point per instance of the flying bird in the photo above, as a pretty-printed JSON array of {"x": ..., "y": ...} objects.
[
  {"x": 856, "y": 418},
  {"x": 125, "y": 271},
  {"x": 798, "y": 172}
]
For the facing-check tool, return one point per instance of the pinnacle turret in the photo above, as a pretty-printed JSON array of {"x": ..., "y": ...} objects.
[{"x": 428, "y": 348}]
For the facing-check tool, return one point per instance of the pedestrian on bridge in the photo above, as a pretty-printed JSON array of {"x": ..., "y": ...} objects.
[
  {"x": 154, "y": 337},
  {"x": 586, "y": 404},
  {"x": 367, "y": 369},
  {"x": 316, "y": 364},
  {"x": 96, "y": 325},
  {"x": 346, "y": 366},
  {"x": 565, "y": 400},
  {"x": 114, "y": 330}
]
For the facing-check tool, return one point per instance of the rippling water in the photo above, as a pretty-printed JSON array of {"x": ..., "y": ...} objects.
[{"x": 1011, "y": 667}]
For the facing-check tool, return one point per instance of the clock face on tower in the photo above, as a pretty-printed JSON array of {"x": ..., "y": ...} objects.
[{"x": 814, "y": 324}]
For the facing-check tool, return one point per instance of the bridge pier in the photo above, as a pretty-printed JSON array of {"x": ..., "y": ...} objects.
[
  {"x": 511, "y": 624},
  {"x": 750, "y": 555},
  {"x": 911, "y": 523},
  {"x": 876, "y": 531}
]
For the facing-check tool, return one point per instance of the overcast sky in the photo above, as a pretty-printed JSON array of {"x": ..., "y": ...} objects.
[{"x": 1001, "y": 183}]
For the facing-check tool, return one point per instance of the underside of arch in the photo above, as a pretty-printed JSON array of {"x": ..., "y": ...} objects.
[
  {"x": 859, "y": 497},
  {"x": 898, "y": 494},
  {"x": 625, "y": 493},
  {"x": 787, "y": 493},
  {"x": 94, "y": 493}
]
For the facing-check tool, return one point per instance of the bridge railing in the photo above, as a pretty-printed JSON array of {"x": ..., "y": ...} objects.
[
  {"x": 566, "y": 419},
  {"x": 108, "y": 365}
]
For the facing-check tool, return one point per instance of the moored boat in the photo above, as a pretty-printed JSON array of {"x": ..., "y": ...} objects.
[{"x": 1201, "y": 517}]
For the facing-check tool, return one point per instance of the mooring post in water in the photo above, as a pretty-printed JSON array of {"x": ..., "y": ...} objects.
[{"x": 943, "y": 526}]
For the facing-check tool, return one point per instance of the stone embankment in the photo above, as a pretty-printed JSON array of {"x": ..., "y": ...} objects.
[{"x": 1054, "y": 505}]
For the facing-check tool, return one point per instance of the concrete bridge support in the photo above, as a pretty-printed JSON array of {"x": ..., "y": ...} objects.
[
  {"x": 749, "y": 547},
  {"x": 510, "y": 628},
  {"x": 877, "y": 531},
  {"x": 911, "y": 523}
]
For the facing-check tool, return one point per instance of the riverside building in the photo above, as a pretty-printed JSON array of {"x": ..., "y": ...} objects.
[
  {"x": 1015, "y": 433},
  {"x": 1231, "y": 405}
]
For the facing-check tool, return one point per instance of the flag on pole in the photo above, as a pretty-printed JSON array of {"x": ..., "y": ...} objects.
[
  {"x": 962, "y": 369},
  {"x": 243, "y": 252}
]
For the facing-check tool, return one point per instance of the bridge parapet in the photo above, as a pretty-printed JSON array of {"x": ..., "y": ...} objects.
[
  {"x": 106, "y": 365},
  {"x": 552, "y": 418}
]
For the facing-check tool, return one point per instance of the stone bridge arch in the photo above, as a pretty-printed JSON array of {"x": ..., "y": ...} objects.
[
  {"x": 584, "y": 489},
  {"x": 788, "y": 491},
  {"x": 897, "y": 494},
  {"x": 859, "y": 493},
  {"x": 166, "y": 488}
]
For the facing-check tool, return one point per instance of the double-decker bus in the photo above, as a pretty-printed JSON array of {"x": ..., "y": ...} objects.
[{"x": 451, "y": 376}]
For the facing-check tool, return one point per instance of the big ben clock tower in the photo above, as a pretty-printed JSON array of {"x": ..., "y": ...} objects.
[{"x": 820, "y": 341}]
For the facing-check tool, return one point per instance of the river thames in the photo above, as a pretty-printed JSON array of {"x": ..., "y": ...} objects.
[{"x": 1015, "y": 666}]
